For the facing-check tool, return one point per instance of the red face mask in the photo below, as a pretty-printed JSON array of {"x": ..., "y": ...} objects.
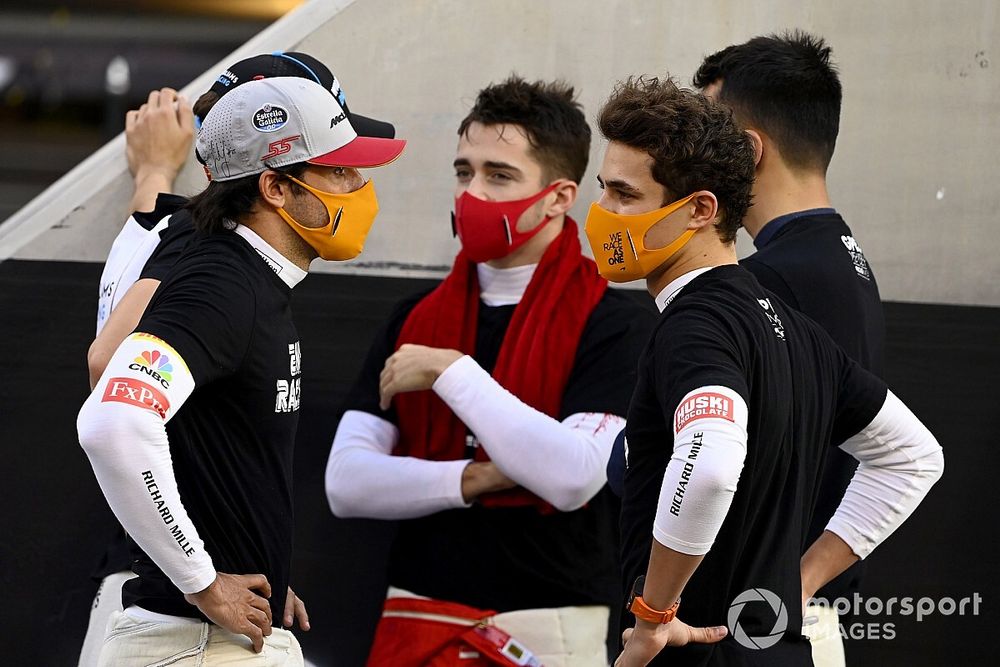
[{"x": 488, "y": 229}]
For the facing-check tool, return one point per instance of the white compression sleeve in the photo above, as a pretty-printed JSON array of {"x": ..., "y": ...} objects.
[
  {"x": 899, "y": 462},
  {"x": 710, "y": 446},
  {"x": 563, "y": 463},
  {"x": 122, "y": 428},
  {"x": 363, "y": 479}
]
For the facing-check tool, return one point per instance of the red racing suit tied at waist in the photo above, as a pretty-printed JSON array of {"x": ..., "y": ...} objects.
[{"x": 433, "y": 633}]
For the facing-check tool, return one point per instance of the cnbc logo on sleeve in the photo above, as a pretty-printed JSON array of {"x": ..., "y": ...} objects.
[{"x": 156, "y": 365}]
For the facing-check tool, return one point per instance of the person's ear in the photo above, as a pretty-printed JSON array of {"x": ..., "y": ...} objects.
[
  {"x": 274, "y": 189},
  {"x": 704, "y": 209},
  {"x": 758, "y": 146},
  {"x": 565, "y": 196}
]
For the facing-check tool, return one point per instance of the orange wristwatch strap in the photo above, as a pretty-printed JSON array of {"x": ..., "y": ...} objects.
[{"x": 643, "y": 611}]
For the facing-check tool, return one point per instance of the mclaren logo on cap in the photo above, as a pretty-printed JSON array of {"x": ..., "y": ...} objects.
[{"x": 269, "y": 118}]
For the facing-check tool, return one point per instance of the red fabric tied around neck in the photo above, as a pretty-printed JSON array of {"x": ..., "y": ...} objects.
[{"x": 535, "y": 360}]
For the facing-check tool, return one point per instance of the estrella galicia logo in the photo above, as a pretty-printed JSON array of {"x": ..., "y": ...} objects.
[
  {"x": 780, "y": 618},
  {"x": 269, "y": 118}
]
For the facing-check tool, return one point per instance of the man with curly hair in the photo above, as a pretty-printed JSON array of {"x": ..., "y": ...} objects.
[
  {"x": 487, "y": 408},
  {"x": 738, "y": 397}
]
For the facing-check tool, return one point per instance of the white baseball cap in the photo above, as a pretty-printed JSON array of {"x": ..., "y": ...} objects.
[{"x": 279, "y": 121}]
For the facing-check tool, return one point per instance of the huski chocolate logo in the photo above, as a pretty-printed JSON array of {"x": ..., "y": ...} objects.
[{"x": 269, "y": 118}]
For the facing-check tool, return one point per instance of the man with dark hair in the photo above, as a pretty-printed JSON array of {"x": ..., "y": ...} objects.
[
  {"x": 204, "y": 492},
  {"x": 487, "y": 409},
  {"x": 737, "y": 398},
  {"x": 158, "y": 138},
  {"x": 785, "y": 91}
]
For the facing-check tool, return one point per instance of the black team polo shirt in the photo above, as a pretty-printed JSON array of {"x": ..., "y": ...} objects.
[
  {"x": 802, "y": 393},
  {"x": 811, "y": 260}
]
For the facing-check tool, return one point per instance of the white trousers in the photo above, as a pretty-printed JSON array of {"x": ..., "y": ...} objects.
[
  {"x": 107, "y": 601},
  {"x": 824, "y": 635},
  {"x": 141, "y": 639}
]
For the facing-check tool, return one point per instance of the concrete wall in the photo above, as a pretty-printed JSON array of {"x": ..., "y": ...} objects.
[{"x": 911, "y": 173}]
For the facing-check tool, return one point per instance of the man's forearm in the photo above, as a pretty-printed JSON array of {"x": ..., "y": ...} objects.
[
  {"x": 667, "y": 575},
  {"x": 122, "y": 428},
  {"x": 122, "y": 321},
  {"x": 521, "y": 440},
  {"x": 363, "y": 479},
  {"x": 148, "y": 184},
  {"x": 825, "y": 559}
]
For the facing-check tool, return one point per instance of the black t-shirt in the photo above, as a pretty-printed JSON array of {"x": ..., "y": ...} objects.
[
  {"x": 516, "y": 558},
  {"x": 813, "y": 263},
  {"x": 228, "y": 316},
  {"x": 802, "y": 393}
]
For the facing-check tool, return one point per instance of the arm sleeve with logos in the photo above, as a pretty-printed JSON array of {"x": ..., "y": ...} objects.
[
  {"x": 195, "y": 330},
  {"x": 701, "y": 387},
  {"x": 363, "y": 478},
  {"x": 899, "y": 460}
]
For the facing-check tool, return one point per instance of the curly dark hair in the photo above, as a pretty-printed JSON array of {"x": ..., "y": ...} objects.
[
  {"x": 787, "y": 87},
  {"x": 695, "y": 144},
  {"x": 550, "y": 115}
]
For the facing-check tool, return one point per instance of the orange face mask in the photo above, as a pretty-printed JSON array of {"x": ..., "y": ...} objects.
[
  {"x": 350, "y": 218},
  {"x": 617, "y": 241}
]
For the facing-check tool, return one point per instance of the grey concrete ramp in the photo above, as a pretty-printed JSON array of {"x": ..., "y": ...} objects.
[
  {"x": 911, "y": 174},
  {"x": 78, "y": 216}
]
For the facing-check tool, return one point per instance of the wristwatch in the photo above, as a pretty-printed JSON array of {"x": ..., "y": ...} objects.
[{"x": 643, "y": 611}]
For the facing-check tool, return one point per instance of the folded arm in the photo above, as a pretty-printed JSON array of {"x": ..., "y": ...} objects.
[{"x": 562, "y": 462}]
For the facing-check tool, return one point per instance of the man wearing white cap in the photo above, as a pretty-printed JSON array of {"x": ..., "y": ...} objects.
[
  {"x": 205, "y": 491},
  {"x": 159, "y": 138}
]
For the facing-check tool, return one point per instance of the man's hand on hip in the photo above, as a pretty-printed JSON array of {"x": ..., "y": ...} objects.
[
  {"x": 295, "y": 608},
  {"x": 646, "y": 640},
  {"x": 230, "y": 603},
  {"x": 413, "y": 368}
]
